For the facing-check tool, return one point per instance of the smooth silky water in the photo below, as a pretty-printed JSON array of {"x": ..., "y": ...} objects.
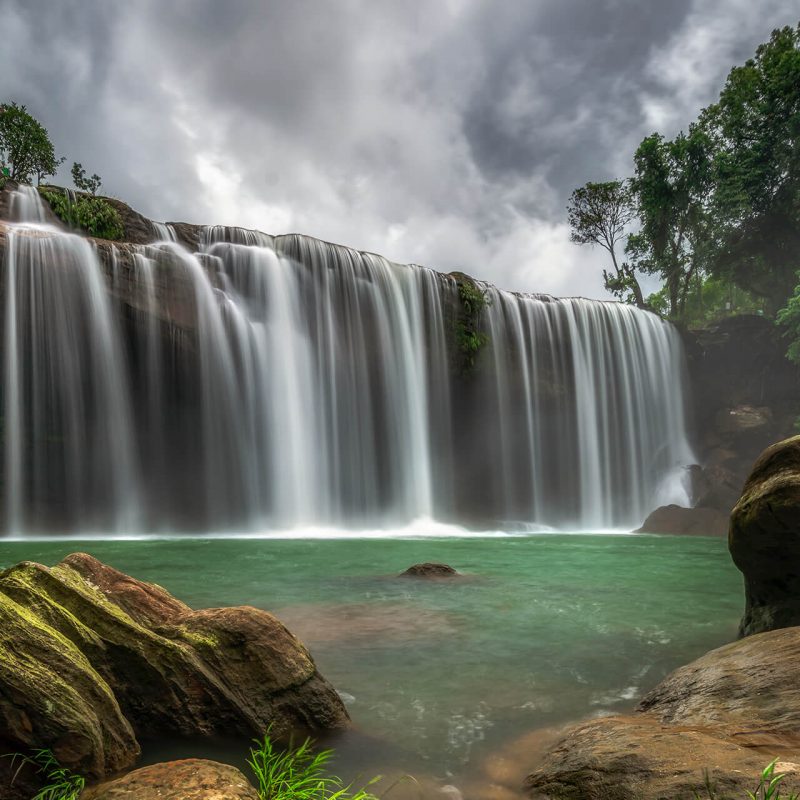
[{"x": 438, "y": 676}]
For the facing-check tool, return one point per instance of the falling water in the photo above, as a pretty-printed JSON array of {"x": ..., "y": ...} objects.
[{"x": 283, "y": 382}]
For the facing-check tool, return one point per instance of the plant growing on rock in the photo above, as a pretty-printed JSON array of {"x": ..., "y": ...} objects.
[
  {"x": 90, "y": 214},
  {"x": 61, "y": 783},
  {"x": 470, "y": 339},
  {"x": 83, "y": 183},
  {"x": 769, "y": 787}
]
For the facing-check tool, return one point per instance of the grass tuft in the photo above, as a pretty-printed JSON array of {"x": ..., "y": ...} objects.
[
  {"x": 299, "y": 774},
  {"x": 61, "y": 783}
]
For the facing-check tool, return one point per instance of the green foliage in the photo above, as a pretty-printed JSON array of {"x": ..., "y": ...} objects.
[
  {"x": 789, "y": 317},
  {"x": 708, "y": 300},
  {"x": 25, "y": 147},
  {"x": 60, "y": 783},
  {"x": 755, "y": 127},
  {"x": 672, "y": 186},
  {"x": 298, "y": 774},
  {"x": 470, "y": 339},
  {"x": 90, "y": 214},
  {"x": 769, "y": 787},
  {"x": 599, "y": 214},
  {"x": 83, "y": 183}
]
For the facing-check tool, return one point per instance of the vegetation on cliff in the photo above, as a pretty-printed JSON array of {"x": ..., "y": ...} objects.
[
  {"x": 86, "y": 212},
  {"x": 713, "y": 212}
]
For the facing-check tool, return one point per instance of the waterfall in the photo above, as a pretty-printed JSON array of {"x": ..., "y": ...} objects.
[{"x": 261, "y": 383}]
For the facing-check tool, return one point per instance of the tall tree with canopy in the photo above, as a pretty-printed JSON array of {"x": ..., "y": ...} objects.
[
  {"x": 25, "y": 147},
  {"x": 755, "y": 127},
  {"x": 600, "y": 213},
  {"x": 672, "y": 189}
]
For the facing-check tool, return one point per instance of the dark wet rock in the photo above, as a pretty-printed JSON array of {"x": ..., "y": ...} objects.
[
  {"x": 430, "y": 570},
  {"x": 190, "y": 779},
  {"x": 674, "y": 519},
  {"x": 764, "y": 539}
]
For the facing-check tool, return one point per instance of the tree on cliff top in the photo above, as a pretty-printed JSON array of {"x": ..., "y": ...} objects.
[
  {"x": 755, "y": 127},
  {"x": 600, "y": 213},
  {"x": 25, "y": 147}
]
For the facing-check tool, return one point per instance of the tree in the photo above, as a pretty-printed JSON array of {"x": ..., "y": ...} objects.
[
  {"x": 672, "y": 190},
  {"x": 25, "y": 147},
  {"x": 600, "y": 213},
  {"x": 755, "y": 127},
  {"x": 83, "y": 183}
]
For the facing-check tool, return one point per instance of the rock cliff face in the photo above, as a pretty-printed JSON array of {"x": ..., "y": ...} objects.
[
  {"x": 744, "y": 394},
  {"x": 92, "y": 659}
]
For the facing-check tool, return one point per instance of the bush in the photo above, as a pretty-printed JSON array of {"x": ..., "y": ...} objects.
[{"x": 90, "y": 214}]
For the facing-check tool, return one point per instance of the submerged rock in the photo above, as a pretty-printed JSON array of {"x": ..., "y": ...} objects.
[
  {"x": 90, "y": 656},
  {"x": 764, "y": 539},
  {"x": 430, "y": 569},
  {"x": 682, "y": 521},
  {"x": 190, "y": 779}
]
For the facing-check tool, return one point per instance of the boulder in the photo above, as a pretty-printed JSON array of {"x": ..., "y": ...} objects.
[
  {"x": 752, "y": 684},
  {"x": 51, "y": 697},
  {"x": 730, "y": 712},
  {"x": 764, "y": 539},
  {"x": 91, "y": 658},
  {"x": 430, "y": 569},
  {"x": 190, "y": 779},
  {"x": 686, "y": 521},
  {"x": 637, "y": 758}
]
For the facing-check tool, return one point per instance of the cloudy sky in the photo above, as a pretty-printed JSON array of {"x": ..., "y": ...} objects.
[{"x": 443, "y": 132}]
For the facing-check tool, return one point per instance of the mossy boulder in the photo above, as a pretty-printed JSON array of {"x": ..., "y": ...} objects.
[
  {"x": 764, "y": 539},
  {"x": 52, "y": 697},
  {"x": 91, "y": 658}
]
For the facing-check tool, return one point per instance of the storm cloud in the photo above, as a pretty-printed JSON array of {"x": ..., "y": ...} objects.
[{"x": 444, "y": 132}]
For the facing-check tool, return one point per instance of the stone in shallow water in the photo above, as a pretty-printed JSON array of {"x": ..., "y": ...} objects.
[
  {"x": 430, "y": 569},
  {"x": 192, "y": 779},
  {"x": 681, "y": 521}
]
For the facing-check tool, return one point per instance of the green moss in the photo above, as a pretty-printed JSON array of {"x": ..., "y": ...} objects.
[
  {"x": 470, "y": 338},
  {"x": 90, "y": 214},
  {"x": 196, "y": 639}
]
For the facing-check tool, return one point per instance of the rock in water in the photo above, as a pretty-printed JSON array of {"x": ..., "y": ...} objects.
[
  {"x": 91, "y": 658},
  {"x": 686, "y": 521},
  {"x": 51, "y": 697},
  {"x": 430, "y": 570},
  {"x": 191, "y": 779},
  {"x": 764, "y": 539},
  {"x": 729, "y": 712}
]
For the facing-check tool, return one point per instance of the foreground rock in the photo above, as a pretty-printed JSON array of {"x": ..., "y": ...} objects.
[
  {"x": 91, "y": 658},
  {"x": 430, "y": 569},
  {"x": 686, "y": 521},
  {"x": 765, "y": 539},
  {"x": 636, "y": 758},
  {"x": 730, "y": 712},
  {"x": 192, "y": 779}
]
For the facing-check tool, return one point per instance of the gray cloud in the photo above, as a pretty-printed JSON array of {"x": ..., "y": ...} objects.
[{"x": 446, "y": 133}]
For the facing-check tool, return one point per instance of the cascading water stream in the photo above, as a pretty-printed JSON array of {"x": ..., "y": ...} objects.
[{"x": 283, "y": 382}]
